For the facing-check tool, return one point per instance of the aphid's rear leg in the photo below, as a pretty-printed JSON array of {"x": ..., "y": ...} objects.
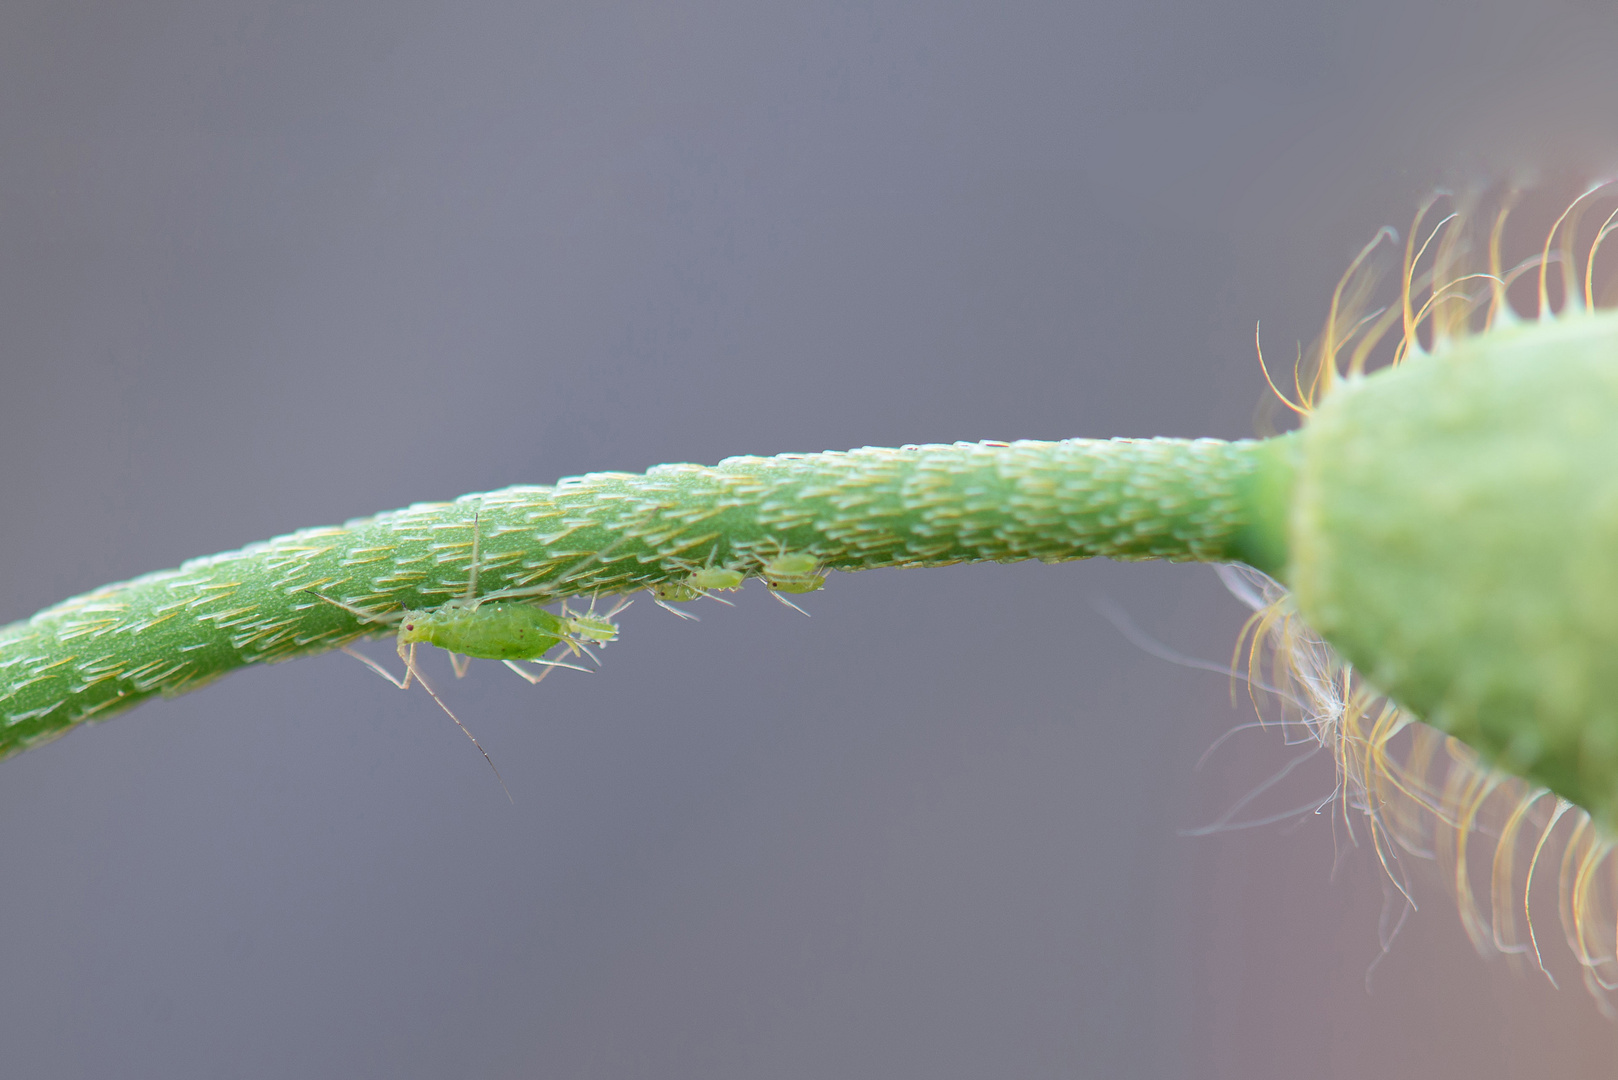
[
  {"x": 580, "y": 647},
  {"x": 548, "y": 665},
  {"x": 670, "y": 607},
  {"x": 787, "y": 602},
  {"x": 460, "y": 663}
]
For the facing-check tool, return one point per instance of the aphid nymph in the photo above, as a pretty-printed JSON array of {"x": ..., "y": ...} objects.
[
  {"x": 793, "y": 573},
  {"x": 702, "y": 581},
  {"x": 712, "y": 578}
]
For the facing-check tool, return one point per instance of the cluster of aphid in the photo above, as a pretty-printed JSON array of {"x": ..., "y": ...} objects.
[
  {"x": 492, "y": 627},
  {"x": 785, "y": 573},
  {"x": 510, "y": 627}
]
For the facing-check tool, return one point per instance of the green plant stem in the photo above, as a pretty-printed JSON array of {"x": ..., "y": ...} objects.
[{"x": 169, "y": 632}]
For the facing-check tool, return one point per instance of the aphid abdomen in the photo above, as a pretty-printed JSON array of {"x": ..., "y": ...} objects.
[
  {"x": 487, "y": 632},
  {"x": 714, "y": 578}
]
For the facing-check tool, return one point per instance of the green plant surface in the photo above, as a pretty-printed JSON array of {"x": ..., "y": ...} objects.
[{"x": 611, "y": 533}]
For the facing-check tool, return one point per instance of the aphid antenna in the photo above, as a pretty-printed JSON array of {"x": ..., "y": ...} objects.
[
  {"x": 410, "y": 669},
  {"x": 385, "y": 619},
  {"x": 540, "y": 594}
]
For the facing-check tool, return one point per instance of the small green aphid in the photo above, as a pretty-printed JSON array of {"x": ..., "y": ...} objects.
[
  {"x": 714, "y": 578},
  {"x": 699, "y": 583},
  {"x": 676, "y": 592},
  {"x": 588, "y": 626},
  {"x": 495, "y": 627},
  {"x": 794, "y": 573}
]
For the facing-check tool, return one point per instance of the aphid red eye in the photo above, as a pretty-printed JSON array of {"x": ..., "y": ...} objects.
[{"x": 410, "y": 626}]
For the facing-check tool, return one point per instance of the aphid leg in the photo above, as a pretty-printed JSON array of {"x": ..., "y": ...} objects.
[
  {"x": 374, "y": 666},
  {"x": 460, "y": 663},
  {"x": 407, "y": 653},
  {"x": 590, "y": 612},
  {"x": 547, "y": 665},
  {"x": 533, "y": 680},
  {"x": 787, "y": 602},
  {"x": 410, "y": 669},
  {"x": 670, "y": 607}
]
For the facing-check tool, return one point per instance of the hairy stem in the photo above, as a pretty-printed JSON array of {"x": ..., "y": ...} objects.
[{"x": 169, "y": 632}]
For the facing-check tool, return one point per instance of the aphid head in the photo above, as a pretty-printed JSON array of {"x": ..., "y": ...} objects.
[
  {"x": 414, "y": 626},
  {"x": 593, "y": 628}
]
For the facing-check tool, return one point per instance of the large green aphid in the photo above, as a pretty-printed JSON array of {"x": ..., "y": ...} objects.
[
  {"x": 1448, "y": 524},
  {"x": 492, "y": 627},
  {"x": 491, "y": 631},
  {"x": 496, "y": 626},
  {"x": 505, "y": 630}
]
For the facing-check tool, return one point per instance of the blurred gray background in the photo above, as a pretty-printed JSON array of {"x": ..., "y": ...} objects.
[{"x": 271, "y": 265}]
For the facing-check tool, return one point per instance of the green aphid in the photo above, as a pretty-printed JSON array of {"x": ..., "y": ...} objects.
[
  {"x": 494, "y": 627},
  {"x": 599, "y": 629},
  {"x": 508, "y": 631},
  {"x": 1447, "y": 525},
  {"x": 713, "y": 578},
  {"x": 793, "y": 573},
  {"x": 489, "y": 631},
  {"x": 491, "y": 627},
  {"x": 699, "y": 583},
  {"x": 673, "y": 592},
  {"x": 797, "y": 573}
]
